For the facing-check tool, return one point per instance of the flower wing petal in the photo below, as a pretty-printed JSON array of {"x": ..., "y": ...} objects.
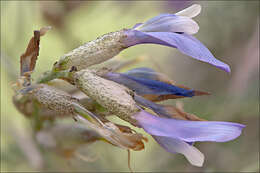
[
  {"x": 172, "y": 145},
  {"x": 169, "y": 23},
  {"x": 191, "y": 11}
]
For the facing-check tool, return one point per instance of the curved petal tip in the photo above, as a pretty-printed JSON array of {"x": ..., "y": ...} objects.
[
  {"x": 172, "y": 145},
  {"x": 189, "y": 131},
  {"x": 191, "y": 11}
]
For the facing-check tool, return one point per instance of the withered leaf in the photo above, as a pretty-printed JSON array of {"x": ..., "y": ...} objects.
[
  {"x": 118, "y": 135},
  {"x": 179, "y": 113},
  {"x": 28, "y": 59}
]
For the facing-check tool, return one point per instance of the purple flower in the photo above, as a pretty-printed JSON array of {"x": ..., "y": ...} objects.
[
  {"x": 173, "y": 145},
  {"x": 151, "y": 85},
  {"x": 176, "y": 136},
  {"x": 174, "y": 30},
  {"x": 189, "y": 131},
  {"x": 173, "y": 129}
]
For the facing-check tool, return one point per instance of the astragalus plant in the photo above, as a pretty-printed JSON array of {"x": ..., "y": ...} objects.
[{"x": 131, "y": 95}]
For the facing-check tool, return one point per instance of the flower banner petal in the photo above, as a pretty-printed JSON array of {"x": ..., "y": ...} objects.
[
  {"x": 190, "y": 46},
  {"x": 185, "y": 43},
  {"x": 189, "y": 131}
]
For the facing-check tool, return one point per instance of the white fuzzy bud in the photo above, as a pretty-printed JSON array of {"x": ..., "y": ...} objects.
[
  {"x": 93, "y": 52},
  {"x": 114, "y": 97}
]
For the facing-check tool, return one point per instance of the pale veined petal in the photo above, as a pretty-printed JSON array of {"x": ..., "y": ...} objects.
[
  {"x": 191, "y": 11},
  {"x": 173, "y": 145},
  {"x": 170, "y": 23},
  {"x": 152, "y": 20},
  {"x": 189, "y": 131}
]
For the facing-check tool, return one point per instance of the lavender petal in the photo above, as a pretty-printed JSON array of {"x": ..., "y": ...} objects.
[
  {"x": 189, "y": 131},
  {"x": 185, "y": 43},
  {"x": 136, "y": 25},
  {"x": 173, "y": 145},
  {"x": 169, "y": 23},
  {"x": 191, "y": 11}
]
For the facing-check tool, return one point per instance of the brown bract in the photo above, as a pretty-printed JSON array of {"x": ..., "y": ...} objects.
[
  {"x": 133, "y": 140},
  {"x": 178, "y": 113},
  {"x": 158, "y": 98},
  {"x": 28, "y": 59},
  {"x": 118, "y": 135}
]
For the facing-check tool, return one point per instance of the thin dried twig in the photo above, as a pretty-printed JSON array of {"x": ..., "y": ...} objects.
[{"x": 129, "y": 161}]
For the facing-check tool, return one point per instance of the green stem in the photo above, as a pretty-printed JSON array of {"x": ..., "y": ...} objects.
[
  {"x": 50, "y": 75},
  {"x": 37, "y": 122},
  {"x": 84, "y": 113}
]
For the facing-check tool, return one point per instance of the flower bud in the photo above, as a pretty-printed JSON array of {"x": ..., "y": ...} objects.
[
  {"x": 93, "y": 52},
  {"x": 52, "y": 98},
  {"x": 114, "y": 97}
]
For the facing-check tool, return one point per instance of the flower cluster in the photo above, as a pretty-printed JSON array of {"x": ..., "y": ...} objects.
[{"x": 131, "y": 95}]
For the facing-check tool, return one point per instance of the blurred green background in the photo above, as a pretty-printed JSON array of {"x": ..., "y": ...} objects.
[{"x": 230, "y": 29}]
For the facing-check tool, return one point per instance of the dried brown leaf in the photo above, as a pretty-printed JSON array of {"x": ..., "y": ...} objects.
[
  {"x": 118, "y": 135},
  {"x": 43, "y": 30},
  {"x": 123, "y": 139},
  {"x": 28, "y": 59},
  {"x": 178, "y": 112}
]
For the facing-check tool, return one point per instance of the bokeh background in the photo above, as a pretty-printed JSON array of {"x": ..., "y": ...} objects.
[{"x": 230, "y": 29}]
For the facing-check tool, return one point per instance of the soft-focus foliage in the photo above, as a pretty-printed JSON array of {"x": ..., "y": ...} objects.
[{"x": 229, "y": 29}]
